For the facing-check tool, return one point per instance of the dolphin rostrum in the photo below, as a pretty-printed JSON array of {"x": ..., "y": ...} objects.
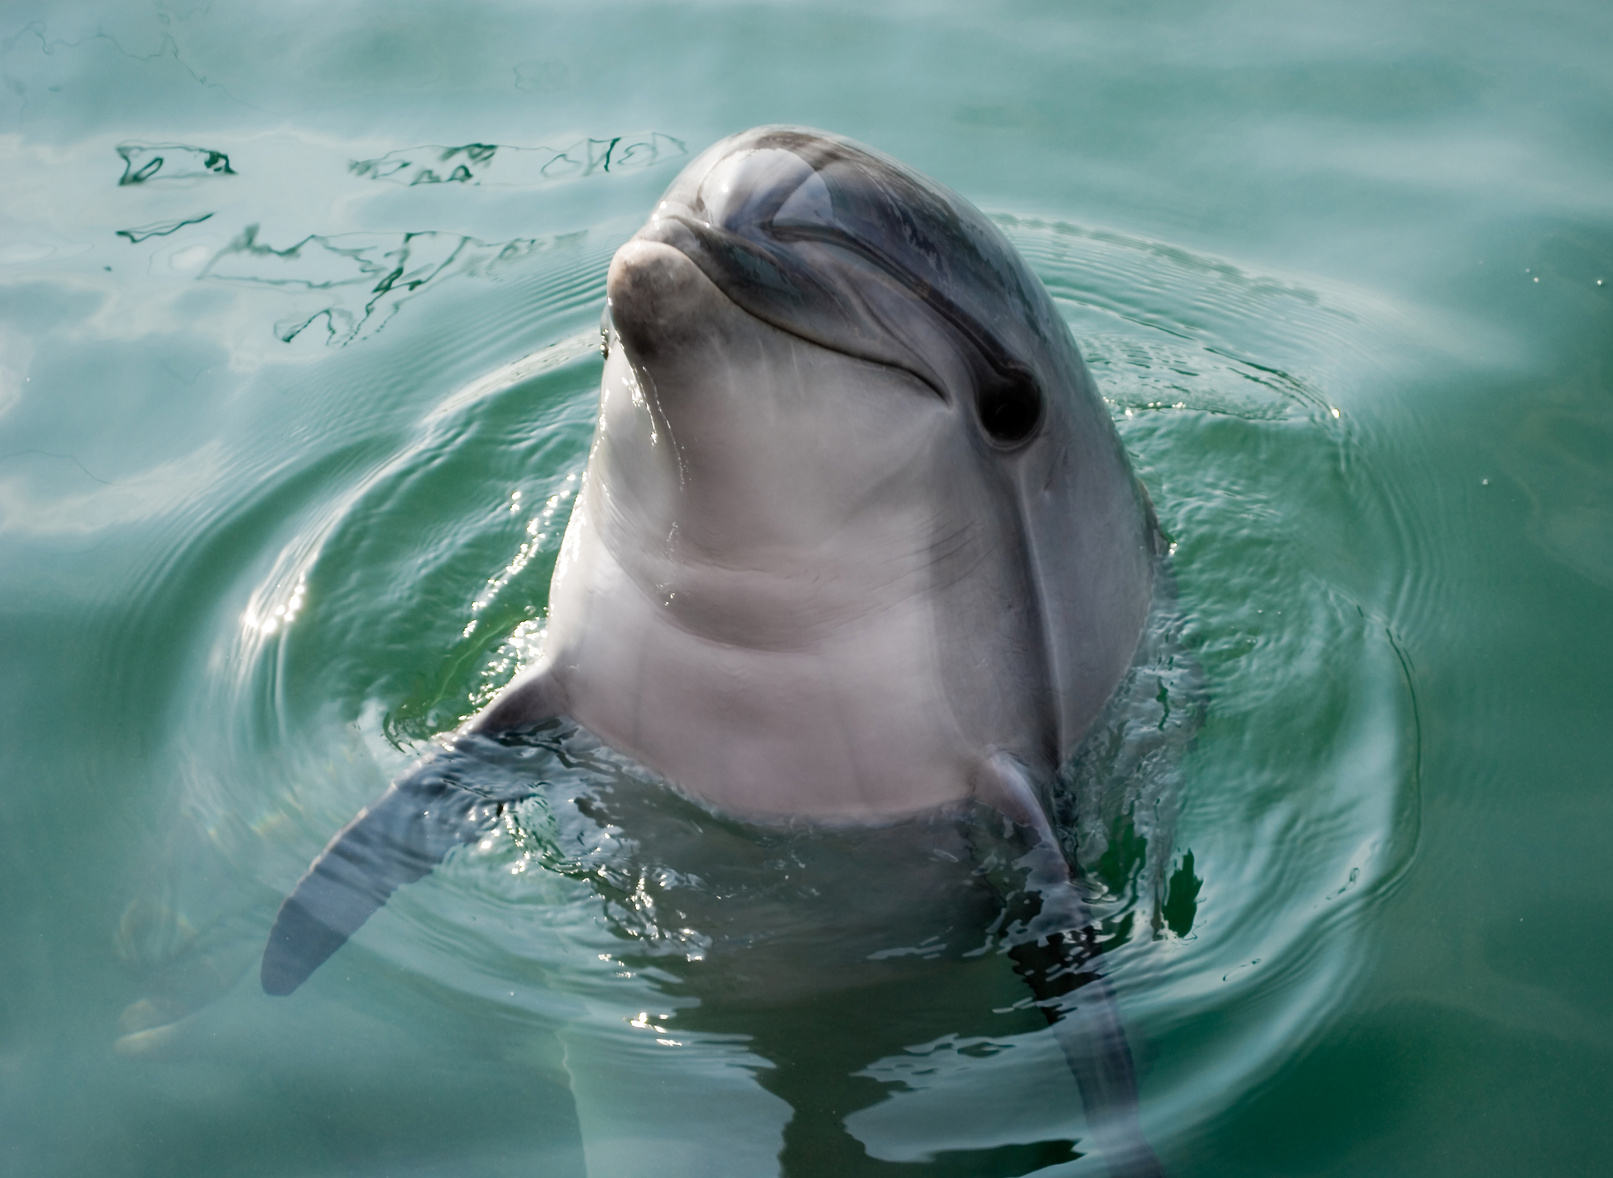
[{"x": 857, "y": 540}]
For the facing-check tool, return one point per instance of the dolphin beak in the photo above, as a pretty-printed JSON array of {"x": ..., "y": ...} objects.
[{"x": 663, "y": 308}]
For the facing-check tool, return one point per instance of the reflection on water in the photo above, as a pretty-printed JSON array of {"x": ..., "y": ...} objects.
[
  {"x": 379, "y": 272},
  {"x": 160, "y": 228},
  {"x": 144, "y": 163},
  {"x": 475, "y": 164},
  {"x": 351, "y": 284}
]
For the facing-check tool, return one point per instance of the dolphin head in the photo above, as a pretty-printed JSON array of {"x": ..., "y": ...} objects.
[
  {"x": 848, "y": 249},
  {"x": 849, "y": 466}
]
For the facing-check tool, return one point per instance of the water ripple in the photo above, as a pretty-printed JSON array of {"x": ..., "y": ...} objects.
[{"x": 400, "y": 578}]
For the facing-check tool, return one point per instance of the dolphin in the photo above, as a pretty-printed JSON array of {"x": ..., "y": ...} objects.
[{"x": 856, "y": 541}]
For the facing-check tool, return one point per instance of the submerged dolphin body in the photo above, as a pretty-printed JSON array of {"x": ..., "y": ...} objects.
[{"x": 857, "y": 540}]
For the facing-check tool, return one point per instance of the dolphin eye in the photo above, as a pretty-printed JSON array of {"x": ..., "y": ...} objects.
[
  {"x": 1010, "y": 412},
  {"x": 607, "y": 328}
]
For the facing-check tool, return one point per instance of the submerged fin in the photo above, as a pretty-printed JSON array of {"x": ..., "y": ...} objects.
[
  {"x": 1089, "y": 1033},
  {"x": 397, "y": 840},
  {"x": 1056, "y": 958}
]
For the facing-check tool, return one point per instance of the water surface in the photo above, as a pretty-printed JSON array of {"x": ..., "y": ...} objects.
[{"x": 298, "y": 358}]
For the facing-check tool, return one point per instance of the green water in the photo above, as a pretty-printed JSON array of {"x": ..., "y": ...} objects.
[{"x": 275, "y": 509}]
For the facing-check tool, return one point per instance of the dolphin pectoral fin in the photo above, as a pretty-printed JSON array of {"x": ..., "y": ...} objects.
[
  {"x": 1056, "y": 957},
  {"x": 533, "y": 699},
  {"x": 397, "y": 840},
  {"x": 1080, "y": 1007}
]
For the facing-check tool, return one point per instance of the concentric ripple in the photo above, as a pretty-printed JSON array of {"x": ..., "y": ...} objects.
[{"x": 1246, "y": 802}]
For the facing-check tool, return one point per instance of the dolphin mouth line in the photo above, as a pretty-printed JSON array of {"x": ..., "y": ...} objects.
[
  {"x": 730, "y": 259},
  {"x": 702, "y": 230}
]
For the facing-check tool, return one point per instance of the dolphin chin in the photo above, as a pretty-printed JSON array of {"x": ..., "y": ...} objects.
[{"x": 857, "y": 540}]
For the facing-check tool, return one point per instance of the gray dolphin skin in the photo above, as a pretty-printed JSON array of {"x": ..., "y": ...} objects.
[{"x": 857, "y": 540}]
